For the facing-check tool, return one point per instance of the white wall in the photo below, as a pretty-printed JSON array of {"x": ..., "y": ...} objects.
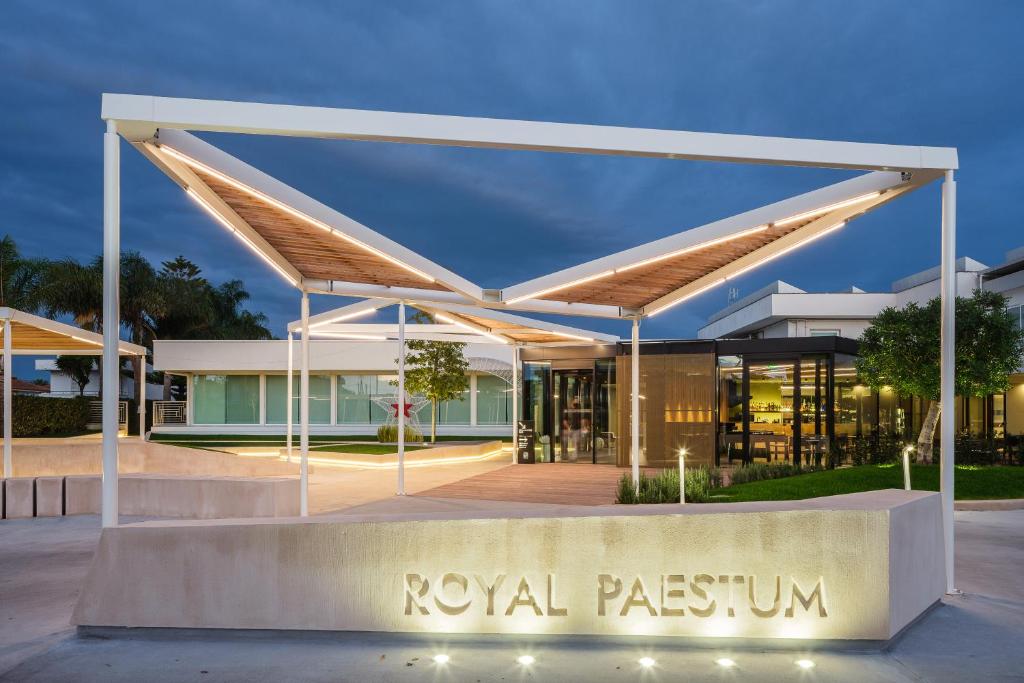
[{"x": 63, "y": 385}]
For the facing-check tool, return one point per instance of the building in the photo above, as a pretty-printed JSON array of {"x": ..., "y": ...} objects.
[
  {"x": 790, "y": 352},
  {"x": 62, "y": 385}
]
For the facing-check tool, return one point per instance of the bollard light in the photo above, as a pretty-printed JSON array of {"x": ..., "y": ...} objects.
[
  {"x": 906, "y": 466},
  {"x": 682, "y": 475}
]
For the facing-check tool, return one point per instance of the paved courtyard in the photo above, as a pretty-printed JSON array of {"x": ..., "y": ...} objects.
[{"x": 42, "y": 561}]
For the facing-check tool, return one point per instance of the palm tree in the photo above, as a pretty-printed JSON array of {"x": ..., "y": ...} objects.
[{"x": 19, "y": 277}]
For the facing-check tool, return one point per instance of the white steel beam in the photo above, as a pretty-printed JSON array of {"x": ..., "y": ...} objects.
[
  {"x": 634, "y": 404},
  {"x": 947, "y": 388},
  {"x": 400, "y": 408},
  {"x": 354, "y": 311},
  {"x": 111, "y": 320},
  {"x": 8, "y": 470},
  {"x": 296, "y": 202},
  {"x": 709, "y": 235},
  {"x": 570, "y": 333},
  {"x": 355, "y": 289},
  {"x": 142, "y": 115},
  {"x": 290, "y": 417},
  {"x": 304, "y": 410}
]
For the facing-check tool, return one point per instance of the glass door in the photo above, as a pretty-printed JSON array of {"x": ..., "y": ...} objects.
[
  {"x": 771, "y": 409},
  {"x": 574, "y": 415}
]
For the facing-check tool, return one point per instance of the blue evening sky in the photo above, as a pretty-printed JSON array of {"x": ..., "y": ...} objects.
[{"x": 929, "y": 73}]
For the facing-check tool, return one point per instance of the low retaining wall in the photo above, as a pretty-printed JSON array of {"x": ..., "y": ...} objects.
[
  {"x": 63, "y": 457},
  {"x": 859, "y": 567},
  {"x": 190, "y": 497},
  {"x": 424, "y": 456}
]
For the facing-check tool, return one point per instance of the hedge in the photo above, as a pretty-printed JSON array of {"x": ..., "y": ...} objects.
[{"x": 48, "y": 416}]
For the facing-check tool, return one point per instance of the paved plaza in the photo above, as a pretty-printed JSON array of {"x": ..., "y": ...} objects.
[{"x": 973, "y": 637}]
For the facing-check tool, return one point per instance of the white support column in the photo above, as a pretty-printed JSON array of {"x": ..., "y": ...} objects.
[
  {"x": 515, "y": 400},
  {"x": 291, "y": 397},
  {"x": 142, "y": 397},
  {"x": 401, "y": 398},
  {"x": 111, "y": 317},
  {"x": 947, "y": 396},
  {"x": 634, "y": 408},
  {"x": 304, "y": 410},
  {"x": 8, "y": 373}
]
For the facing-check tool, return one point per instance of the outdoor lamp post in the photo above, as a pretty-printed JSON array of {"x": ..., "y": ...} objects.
[
  {"x": 682, "y": 475},
  {"x": 906, "y": 466}
]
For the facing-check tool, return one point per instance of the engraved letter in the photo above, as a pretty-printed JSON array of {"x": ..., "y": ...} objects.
[
  {"x": 416, "y": 587},
  {"x": 523, "y": 598},
  {"x": 608, "y": 588},
  {"x": 447, "y": 580},
  {"x": 703, "y": 595},
  {"x": 638, "y": 598},
  {"x": 552, "y": 610},
  {"x": 724, "y": 578},
  {"x": 489, "y": 591},
  {"x": 671, "y": 593},
  {"x": 818, "y": 593},
  {"x": 752, "y": 595}
]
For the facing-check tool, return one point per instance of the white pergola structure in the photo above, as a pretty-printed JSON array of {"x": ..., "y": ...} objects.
[
  {"x": 457, "y": 323},
  {"x": 319, "y": 250},
  {"x": 25, "y": 334}
]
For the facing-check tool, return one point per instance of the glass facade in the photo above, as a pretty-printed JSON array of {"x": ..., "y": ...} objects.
[
  {"x": 493, "y": 400},
  {"x": 536, "y": 392},
  {"x": 226, "y": 399},
  {"x": 277, "y": 399}
]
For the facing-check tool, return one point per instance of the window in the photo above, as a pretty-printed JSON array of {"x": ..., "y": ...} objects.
[
  {"x": 1017, "y": 313},
  {"x": 454, "y": 412},
  {"x": 357, "y": 398},
  {"x": 226, "y": 399},
  {"x": 493, "y": 400},
  {"x": 277, "y": 399},
  {"x": 824, "y": 333}
]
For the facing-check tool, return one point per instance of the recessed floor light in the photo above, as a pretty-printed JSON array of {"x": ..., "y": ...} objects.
[
  {"x": 805, "y": 663},
  {"x": 441, "y": 659},
  {"x": 526, "y": 660},
  {"x": 725, "y": 663},
  {"x": 646, "y": 662}
]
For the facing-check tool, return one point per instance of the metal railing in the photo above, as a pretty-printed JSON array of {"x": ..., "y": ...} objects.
[
  {"x": 96, "y": 413},
  {"x": 169, "y": 412}
]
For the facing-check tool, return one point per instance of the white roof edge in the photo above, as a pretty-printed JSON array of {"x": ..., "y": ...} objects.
[
  {"x": 96, "y": 346},
  {"x": 144, "y": 113}
]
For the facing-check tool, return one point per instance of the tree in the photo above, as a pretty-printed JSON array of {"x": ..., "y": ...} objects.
[
  {"x": 900, "y": 349},
  {"x": 78, "y": 368},
  {"x": 437, "y": 371},
  {"x": 19, "y": 277}
]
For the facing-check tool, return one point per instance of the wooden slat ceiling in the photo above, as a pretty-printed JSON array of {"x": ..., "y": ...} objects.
[
  {"x": 311, "y": 250},
  {"x": 30, "y": 338},
  {"x": 640, "y": 286},
  {"x": 519, "y": 333}
]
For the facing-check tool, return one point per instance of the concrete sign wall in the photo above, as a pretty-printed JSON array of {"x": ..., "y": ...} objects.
[{"x": 851, "y": 567}]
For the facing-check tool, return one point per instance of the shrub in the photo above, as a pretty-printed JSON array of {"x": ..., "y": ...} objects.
[
  {"x": 759, "y": 471},
  {"x": 48, "y": 416},
  {"x": 389, "y": 434},
  {"x": 664, "y": 486}
]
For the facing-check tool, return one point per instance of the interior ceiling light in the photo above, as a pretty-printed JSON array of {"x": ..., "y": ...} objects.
[
  {"x": 452, "y": 321},
  {"x": 189, "y": 161},
  {"x": 745, "y": 269},
  {"x": 227, "y": 224}
]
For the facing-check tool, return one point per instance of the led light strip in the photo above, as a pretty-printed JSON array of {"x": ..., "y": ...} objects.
[
  {"x": 745, "y": 269},
  {"x": 571, "y": 336},
  {"x": 825, "y": 209},
  {"x": 474, "y": 330},
  {"x": 347, "y": 316},
  {"x": 227, "y": 224},
  {"x": 170, "y": 151},
  {"x": 87, "y": 341},
  {"x": 346, "y": 335}
]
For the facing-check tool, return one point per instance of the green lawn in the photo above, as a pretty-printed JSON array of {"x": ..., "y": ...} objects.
[
  {"x": 971, "y": 483},
  {"x": 365, "y": 448}
]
